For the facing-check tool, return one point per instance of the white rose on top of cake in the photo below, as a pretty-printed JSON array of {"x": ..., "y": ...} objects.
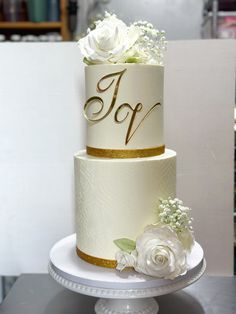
[{"x": 127, "y": 213}]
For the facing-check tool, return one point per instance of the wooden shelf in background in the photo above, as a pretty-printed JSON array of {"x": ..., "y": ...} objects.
[
  {"x": 30, "y": 25},
  {"x": 61, "y": 26}
]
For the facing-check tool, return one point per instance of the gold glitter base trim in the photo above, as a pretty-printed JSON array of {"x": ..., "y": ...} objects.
[
  {"x": 126, "y": 153},
  {"x": 96, "y": 260}
]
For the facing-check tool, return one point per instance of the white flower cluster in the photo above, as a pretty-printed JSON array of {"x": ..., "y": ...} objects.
[
  {"x": 158, "y": 253},
  {"x": 172, "y": 212},
  {"x": 112, "y": 41},
  {"x": 151, "y": 43},
  {"x": 161, "y": 250}
]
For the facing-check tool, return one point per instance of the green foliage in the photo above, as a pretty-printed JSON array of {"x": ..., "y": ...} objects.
[
  {"x": 132, "y": 60},
  {"x": 87, "y": 61},
  {"x": 125, "y": 244}
]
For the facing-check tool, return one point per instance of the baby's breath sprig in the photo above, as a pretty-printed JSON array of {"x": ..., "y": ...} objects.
[
  {"x": 172, "y": 212},
  {"x": 151, "y": 42}
]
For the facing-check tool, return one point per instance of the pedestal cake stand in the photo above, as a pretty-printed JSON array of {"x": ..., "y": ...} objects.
[{"x": 125, "y": 292}]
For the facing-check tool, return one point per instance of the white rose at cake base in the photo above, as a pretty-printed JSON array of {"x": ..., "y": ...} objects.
[
  {"x": 161, "y": 250},
  {"x": 187, "y": 238},
  {"x": 127, "y": 213},
  {"x": 160, "y": 253}
]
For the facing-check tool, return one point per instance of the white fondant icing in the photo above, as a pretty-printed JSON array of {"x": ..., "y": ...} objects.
[
  {"x": 138, "y": 84},
  {"x": 117, "y": 198}
]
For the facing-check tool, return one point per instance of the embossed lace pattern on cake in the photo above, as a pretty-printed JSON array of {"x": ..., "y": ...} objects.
[{"x": 118, "y": 198}]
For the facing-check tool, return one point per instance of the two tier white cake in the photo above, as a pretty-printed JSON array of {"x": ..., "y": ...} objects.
[
  {"x": 125, "y": 181},
  {"x": 116, "y": 195}
]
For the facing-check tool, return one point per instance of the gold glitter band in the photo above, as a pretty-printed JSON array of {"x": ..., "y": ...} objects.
[
  {"x": 126, "y": 153},
  {"x": 96, "y": 260}
]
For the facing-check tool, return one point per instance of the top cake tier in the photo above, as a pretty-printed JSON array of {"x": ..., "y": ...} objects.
[{"x": 124, "y": 110}]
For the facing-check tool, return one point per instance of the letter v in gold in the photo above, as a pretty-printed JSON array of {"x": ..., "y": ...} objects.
[{"x": 134, "y": 110}]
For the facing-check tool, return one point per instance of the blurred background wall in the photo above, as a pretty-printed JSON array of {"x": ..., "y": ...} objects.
[{"x": 181, "y": 19}]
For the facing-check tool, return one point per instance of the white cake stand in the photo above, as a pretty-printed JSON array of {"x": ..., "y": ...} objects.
[{"x": 125, "y": 292}]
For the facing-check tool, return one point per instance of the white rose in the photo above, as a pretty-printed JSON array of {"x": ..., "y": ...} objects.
[
  {"x": 125, "y": 259},
  {"x": 187, "y": 238},
  {"x": 109, "y": 41},
  {"x": 160, "y": 253}
]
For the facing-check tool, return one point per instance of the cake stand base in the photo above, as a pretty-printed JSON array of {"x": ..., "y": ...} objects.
[
  {"x": 129, "y": 306},
  {"x": 127, "y": 292}
]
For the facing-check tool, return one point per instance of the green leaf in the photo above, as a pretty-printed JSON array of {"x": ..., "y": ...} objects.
[
  {"x": 125, "y": 244},
  {"x": 132, "y": 60},
  {"x": 87, "y": 61}
]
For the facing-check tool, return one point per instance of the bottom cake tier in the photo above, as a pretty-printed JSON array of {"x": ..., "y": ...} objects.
[{"x": 118, "y": 198}]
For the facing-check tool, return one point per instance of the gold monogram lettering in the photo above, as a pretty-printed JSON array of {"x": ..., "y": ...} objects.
[
  {"x": 95, "y": 116},
  {"x": 136, "y": 109},
  {"x": 96, "y": 99}
]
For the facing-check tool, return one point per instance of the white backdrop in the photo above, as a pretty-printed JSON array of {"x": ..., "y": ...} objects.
[
  {"x": 41, "y": 127},
  {"x": 199, "y": 103}
]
